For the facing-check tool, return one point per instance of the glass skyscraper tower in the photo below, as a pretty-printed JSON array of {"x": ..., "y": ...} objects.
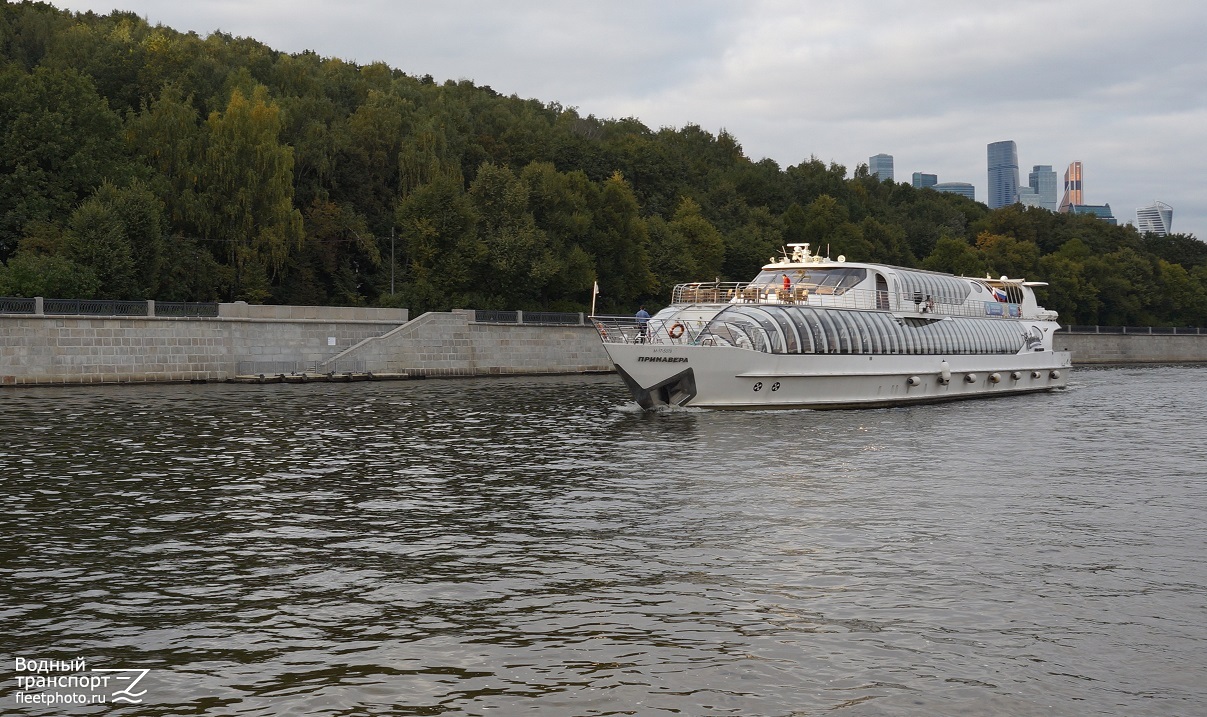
[
  {"x": 1073, "y": 194},
  {"x": 1042, "y": 179},
  {"x": 1003, "y": 174},
  {"x": 880, "y": 166}
]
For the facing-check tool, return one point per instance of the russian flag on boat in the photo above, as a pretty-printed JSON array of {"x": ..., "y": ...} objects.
[{"x": 998, "y": 293}]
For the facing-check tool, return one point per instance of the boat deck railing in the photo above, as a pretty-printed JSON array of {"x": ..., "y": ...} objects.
[
  {"x": 677, "y": 332},
  {"x": 841, "y": 333},
  {"x": 729, "y": 292},
  {"x": 630, "y": 330}
]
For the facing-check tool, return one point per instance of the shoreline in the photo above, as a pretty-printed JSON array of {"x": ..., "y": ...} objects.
[{"x": 280, "y": 344}]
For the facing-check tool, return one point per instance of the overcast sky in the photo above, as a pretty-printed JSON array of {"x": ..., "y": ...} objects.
[{"x": 1120, "y": 85}]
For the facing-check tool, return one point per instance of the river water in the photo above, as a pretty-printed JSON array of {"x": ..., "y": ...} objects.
[{"x": 537, "y": 546}]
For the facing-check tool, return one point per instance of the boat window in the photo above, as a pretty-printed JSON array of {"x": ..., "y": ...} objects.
[
  {"x": 839, "y": 278},
  {"x": 921, "y": 286},
  {"x": 881, "y": 292},
  {"x": 761, "y": 317},
  {"x": 732, "y": 333},
  {"x": 775, "y": 279},
  {"x": 811, "y": 332},
  {"x": 815, "y": 330},
  {"x": 788, "y": 328},
  {"x": 890, "y": 333}
]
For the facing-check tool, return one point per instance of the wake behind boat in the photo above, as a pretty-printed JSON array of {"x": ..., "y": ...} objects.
[{"x": 811, "y": 332}]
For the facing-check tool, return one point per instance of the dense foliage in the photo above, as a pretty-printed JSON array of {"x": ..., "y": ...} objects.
[{"x": 141, "y": 162}]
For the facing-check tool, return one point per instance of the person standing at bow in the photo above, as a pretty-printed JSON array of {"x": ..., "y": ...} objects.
[{"x": 643, "y": 324}]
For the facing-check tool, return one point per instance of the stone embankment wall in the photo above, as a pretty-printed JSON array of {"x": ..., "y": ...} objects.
[
  {"x": 1111, "y": 348},
  {"x": 242, "y": 339},
  {"x": 251, "y": 340},
  {"x": 453, "y": 344}
]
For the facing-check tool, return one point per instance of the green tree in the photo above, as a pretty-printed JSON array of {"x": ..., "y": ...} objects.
[
  {"x": 336, "y": 261},
  {"x": 140, "y": 219},
  {"x": 167, "y": 136},
  {"x": 1179, "y": 300},
  {"x": 1125, "y": 280},
  {"x": 369, "y": 160},
  {"x": 617, "y": 241},
  {"x": 1070, "y": 292},
  {"x": 1007, "y": 256},
  {"x": 955, "y": 256},
  {"x": 30, "y": 273},
  {"x": 888, "y": 243},
  {"x": 704, "y": 244},
  {"x": 442, "y": 250},
  {"x": 520, "y": 259},
  {"x": 96, "y": 238},
  {"x": 559, "y": 203},
  {"x": 191, "y": 273},
  {"x": 823, "y": 217},
  {"x": 748, "y": 247},
  {"x": 246, "y": 191},
  {"x": 58, "y": 141}
]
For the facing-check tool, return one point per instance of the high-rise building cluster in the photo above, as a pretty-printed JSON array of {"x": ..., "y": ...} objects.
[
  {"x": 1004, "y": 186},
  {"x": 1039, "y": 191},
  {"x": 1073, "y": 201}
]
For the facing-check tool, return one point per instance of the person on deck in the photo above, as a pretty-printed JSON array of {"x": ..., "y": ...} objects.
[{"x": 643, "y": 323}]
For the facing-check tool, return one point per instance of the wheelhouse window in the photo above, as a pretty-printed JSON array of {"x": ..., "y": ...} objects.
[{"x": 835, "y": 281}]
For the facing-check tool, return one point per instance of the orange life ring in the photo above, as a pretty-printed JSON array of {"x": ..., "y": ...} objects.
[{"x": 676, "y": 330}]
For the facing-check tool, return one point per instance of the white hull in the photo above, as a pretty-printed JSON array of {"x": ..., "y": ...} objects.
[{"x": 735, "y": 378}]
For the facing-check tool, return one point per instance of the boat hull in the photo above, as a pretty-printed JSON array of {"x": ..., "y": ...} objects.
[{"x": 736, "y": 378}]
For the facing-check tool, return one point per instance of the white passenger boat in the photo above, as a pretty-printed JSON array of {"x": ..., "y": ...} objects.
[{"x": 811, "y": 332}]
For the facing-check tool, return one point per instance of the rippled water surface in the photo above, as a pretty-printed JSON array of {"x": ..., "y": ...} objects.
[{"x": 538, "y": 546}]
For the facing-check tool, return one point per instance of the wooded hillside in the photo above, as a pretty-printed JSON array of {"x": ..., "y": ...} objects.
[{"x": 141, "y": 162}]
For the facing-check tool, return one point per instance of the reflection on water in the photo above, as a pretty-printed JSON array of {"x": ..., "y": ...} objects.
[{"x": 538, "y": 546}]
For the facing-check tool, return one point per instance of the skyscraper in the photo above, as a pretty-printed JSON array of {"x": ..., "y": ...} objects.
[
  {"x": 1156, "y": 218},
  {"x": 1102, "y": 211},
  {"x": 962, "y": 188},
  {"x": 1073, "y": 195},
  {"x": 1003, "y": 173},
  {"x": 880, "y": 166},
  {"x": 1028, "y": 197},
  {"x": 921, "y": 180},
  {"x": 1042, "y": 180}
]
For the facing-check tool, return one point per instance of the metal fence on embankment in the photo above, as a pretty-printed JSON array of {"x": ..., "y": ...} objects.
[
  {"x": 106, "y": 307},
  {"x": 540, "y": 318},
  {"x": 1137, "y": 330}
]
